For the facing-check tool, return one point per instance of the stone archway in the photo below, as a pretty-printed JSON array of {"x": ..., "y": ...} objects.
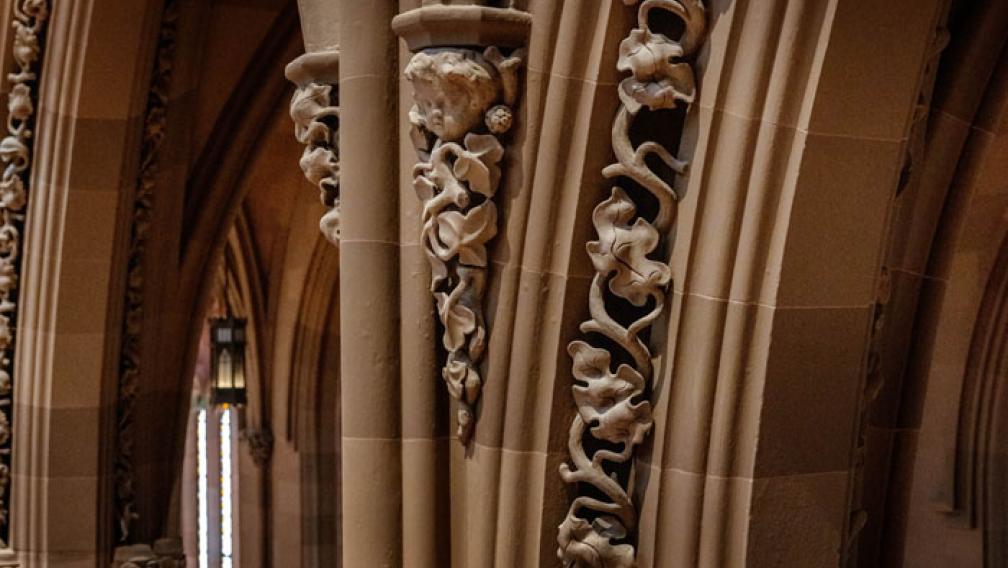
[
  {"x": 85, "y": 166},
  {"x": 796, "y": 143}
]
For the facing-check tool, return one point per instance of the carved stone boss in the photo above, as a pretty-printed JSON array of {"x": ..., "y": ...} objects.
[
  {"x": 315, "y": 111},
  {"x": 15, "y": 151},
  {"x": 464, "y": 103},
  {"x": 140, "y": 228},
  {"x": 613, "y": 413}
]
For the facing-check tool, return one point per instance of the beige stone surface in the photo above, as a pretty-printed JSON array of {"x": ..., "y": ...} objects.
[{"x": 826, "y": 385}]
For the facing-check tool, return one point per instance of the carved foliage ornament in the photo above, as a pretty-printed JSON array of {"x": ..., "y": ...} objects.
[
  {"x": 611, "y": 404},
  {"x": 464, "y": 101},
  {"x": 15, "y": 152},
  {"x": 129, "y": 360},
  {"x": 314, "y": 109}
]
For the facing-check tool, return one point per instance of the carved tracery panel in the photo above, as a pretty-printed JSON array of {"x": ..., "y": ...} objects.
[{"x": 631, "y": 268}]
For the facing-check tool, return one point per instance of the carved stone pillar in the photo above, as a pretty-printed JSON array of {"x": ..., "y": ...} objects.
[
  {"x": 464, "y": 89},
  {"x": 370, "y": 382}
]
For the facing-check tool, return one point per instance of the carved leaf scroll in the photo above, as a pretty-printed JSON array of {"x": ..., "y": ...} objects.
[
  {"x": 316, "y": 118},
  {"x": 314, "y": 108},
  {"x": 611, "y": 405},
  {"x": 29, "y": 23},
  {"x": 155, "y": 119},
  {"x": 459, "y": 93}
]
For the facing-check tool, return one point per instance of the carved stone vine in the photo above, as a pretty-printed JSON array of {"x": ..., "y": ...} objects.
[
  {"x": 913, "y": 159},
  {"x": 314, "y": 109},
  {"x": 613, "y": 413},
  {"x": 130, "y": 353},
  {"x": 29, "y": 22},
  {"x": 464, "y": 100}
]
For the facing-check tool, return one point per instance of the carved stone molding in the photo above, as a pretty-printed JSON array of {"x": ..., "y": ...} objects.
[
  {"x": 260, "y": 445},
  {"x": 464, "y": 102},
  {"x": 462, "y": 25},
  {"x": 315, "y": 111},
  {"x": 130, "y": 353},
  {"x": 613, "y": 412},
  {"x": 29, "y": 24},
  {"x": 875, "y": 378}
]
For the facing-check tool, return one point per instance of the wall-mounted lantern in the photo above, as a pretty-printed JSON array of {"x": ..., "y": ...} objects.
[{"x": 227, "y": 372}]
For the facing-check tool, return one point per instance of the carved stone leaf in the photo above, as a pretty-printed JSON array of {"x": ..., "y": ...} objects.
[
  {"x": 463, "y": 381},
  {"x": 309, "y": 104},
  {"x": 423, "y": 186},
  {"x": 319, "y": 164},
  {"x": 665, "y": 93},
  {"x": 19, "y": 103},
  {"x": 14, "y": 152},
  {"x": 329, "y": 224},
  {"x": 466, "y": 234},
  {"x": 12, "y": 193},
  {"x": 604, "y": 400},
  {"x": 657, "y": 80},
  {"x": 589, "y": 544},
  {"x": 459, "y": 320},
  {"x": 647, "y": 55},
  {"x": 478, "y": 164},
  {"x": 623, "y": 249}
]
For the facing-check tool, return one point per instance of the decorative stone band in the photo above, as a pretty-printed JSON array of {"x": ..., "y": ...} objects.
[
  {"x": 613, "y": 413},
  {"x": 155, "y": 118},
  {"x": 315, "y": 111},
  {"x": 464, "y": 101},
  {"x": 15, "y": 151}
]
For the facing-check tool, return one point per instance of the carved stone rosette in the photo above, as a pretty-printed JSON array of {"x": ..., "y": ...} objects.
[
  {"x": 314, "y": 109},
  {"x": 613, "y": 413},
  {"x": 464, "y": 100},
  {"x": 140, "y": 228},
  {"x": 15, "y": 151}
]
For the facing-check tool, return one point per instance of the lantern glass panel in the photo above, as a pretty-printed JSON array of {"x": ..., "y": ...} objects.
[{"x": 225, "y": 370}]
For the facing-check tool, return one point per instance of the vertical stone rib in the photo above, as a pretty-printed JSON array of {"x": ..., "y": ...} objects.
[
  {"x": 729, "y": 248},
  {"x": 773, "y": 269}
]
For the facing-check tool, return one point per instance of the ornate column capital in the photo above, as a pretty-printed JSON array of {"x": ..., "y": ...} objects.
[
  {"x": 315, "y": 111},
  {"x": 464, "y": 99},
  {"x": 456, "y": 25}
]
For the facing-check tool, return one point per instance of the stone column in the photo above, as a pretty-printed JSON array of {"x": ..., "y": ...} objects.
[{"x": 369, "y": 294}]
